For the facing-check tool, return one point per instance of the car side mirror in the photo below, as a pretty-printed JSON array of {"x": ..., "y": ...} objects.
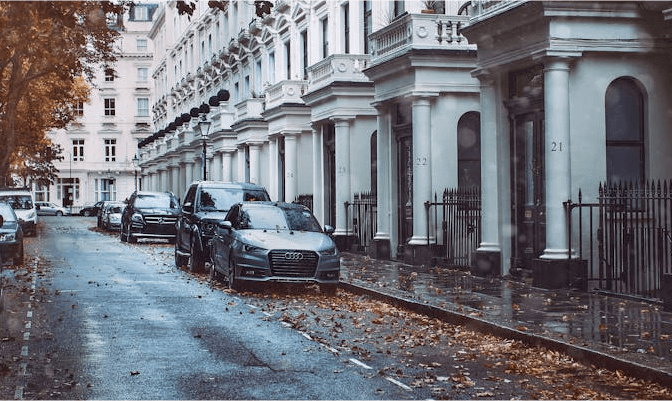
[
  {"x": 329, "y": 229},
  {"x": 37, "y": 207},
  {"x": 2, "y": 221},
  {"x": 225, "y": 225},
  {"x": 188, "y": 207}
]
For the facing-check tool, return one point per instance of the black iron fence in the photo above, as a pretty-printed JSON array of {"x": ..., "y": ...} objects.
[
  {"x": 305, "y": 200},
  {"x": 625, "y": 237},
  {"x": 457, "y": 214},
  {"x": 362, "y": 212}
]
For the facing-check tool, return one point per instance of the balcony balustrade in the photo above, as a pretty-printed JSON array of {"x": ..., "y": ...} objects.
[
  {"x": 338, "y": 67},
  {"x": 288, "y": 91},
  {"x": 419, "y": 31},
  {"x": 249, "y": 108}
]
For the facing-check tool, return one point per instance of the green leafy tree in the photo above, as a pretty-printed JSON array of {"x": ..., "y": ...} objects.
[{"x": 46, "y": 48}]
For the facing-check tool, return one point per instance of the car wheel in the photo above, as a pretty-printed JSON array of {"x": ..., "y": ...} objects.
[
  {"x": 214, "y": 274},
  {"x": 87, "y": 213},
  {"x": 328, "y": 289},
  {"x": 121, "y": 234},
  {"x": 130, "y": 237},
  {"x": 18, "y": 259},
  {"x": 196, "y": 259},
  {"x": 59, "y": 213},
  {"x": 231, "y": 276},
  {"x": 179, "y": 259}
]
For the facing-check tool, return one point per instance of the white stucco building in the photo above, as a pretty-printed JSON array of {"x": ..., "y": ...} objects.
[
  {"x": 527, "y": 102},
  {"x": 100, "y": 146}
]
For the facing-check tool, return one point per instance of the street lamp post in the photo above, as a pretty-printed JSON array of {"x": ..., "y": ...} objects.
[
  {"x": 203, "y": 128},
  {"x": 136, "y": 166}
]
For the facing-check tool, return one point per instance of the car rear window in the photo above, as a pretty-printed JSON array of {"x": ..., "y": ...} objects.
[{"x": 18, "y": 201}]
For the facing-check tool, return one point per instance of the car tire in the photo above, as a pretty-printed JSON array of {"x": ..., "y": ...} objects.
[
  {"x": 328, "y": 289},
  {"x": 129, "y": 237},
  {"x": 180, "y": 260},
  {"x": 214, "y": 274},
  {"x": 59, "y": 213},
  {"x": 231, "y": 276},
  {"x": 18, "y": 259},
  {"x": 121, "y": 234},
  {"x": 196, "y": 259},
  {"x": 87, "y": 213}
]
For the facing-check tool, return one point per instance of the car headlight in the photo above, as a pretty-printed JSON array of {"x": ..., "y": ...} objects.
[
  {"x": 137, "y": 217},
  {"x": 253, "y": 249},
  {"x": 329, "y": 252},
  {"x": 208, "y": 228}
]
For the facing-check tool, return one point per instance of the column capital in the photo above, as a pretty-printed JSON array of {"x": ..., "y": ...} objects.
[{"x": 342, "y": 120}]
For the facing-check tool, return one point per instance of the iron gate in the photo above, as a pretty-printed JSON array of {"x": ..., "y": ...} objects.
[
  {"x": 459, "y": 211},
  {"x": 625, "y": 237},
  {"x": 364, "y": 220}
]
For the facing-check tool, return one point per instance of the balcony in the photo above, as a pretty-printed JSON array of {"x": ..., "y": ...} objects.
[
  {"x": 419, "y": 31},
  {"x": 338, "y": 67},
  {"x": 285, "y": 92},
  {"x": 249, "y": 108}
]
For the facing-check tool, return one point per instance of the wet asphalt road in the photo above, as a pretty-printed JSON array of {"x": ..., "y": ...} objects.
[{"x": 125, "y": 324}]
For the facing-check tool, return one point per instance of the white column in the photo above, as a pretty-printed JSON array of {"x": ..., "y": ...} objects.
[
  {"x": 342, "y": 139},
  {"x": 189, "y": 173},
  {"x": 240, "y": 157},
  {"x": 422, "y": 169},
  {"x": 489, "y": 167},
  {"x": 273, "y": 168},
  {"x": 227, "y": 167},
  {"x": 175, "y": 181},
  {"x": 557, "y": 159},
  {"x": 291, "y": 171},
  {"x": 255, "y": 149},
  {"x": 318, "y": 186},
  {"x": 383, "y": 189},
  {"x": 216, "y": 174}
]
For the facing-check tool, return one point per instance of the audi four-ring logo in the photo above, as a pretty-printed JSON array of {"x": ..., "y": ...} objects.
[{"x": 293, "y": 255}]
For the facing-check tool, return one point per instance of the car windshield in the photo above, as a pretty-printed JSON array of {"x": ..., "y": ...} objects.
[
  {"x": 221, "y": 199},
  {"x": 7, "y": 213},
  {"x": 18, "y": 201},
  {"x": 275, "y": 218},
  {"x": 146, "y": 201},
  {"x": 115, "y": 209}
]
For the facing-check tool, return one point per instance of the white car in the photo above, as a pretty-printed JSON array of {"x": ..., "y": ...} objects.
[{"x": 51, "y": 209}]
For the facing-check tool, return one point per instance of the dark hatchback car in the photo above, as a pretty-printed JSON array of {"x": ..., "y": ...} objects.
[
  {"x": 205, "y": 204},
  {"x": 149, "y": 215},
  {"x": 91, "y": 210},
  {"x": 272, "y": 241},
  {"x": 11, "y": 236}
]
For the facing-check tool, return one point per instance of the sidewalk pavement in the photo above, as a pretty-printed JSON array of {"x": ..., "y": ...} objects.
[{"x": 606, "y": 331}]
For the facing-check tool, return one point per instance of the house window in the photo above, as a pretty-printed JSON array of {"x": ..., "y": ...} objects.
[
  {"x": 67, "y": 190},
  {"x": 399, "y": 8},
  {"x": 288, "y": 60},
  {"x": 271, "y": 67},
  {"x": 77, "y": 150},
  {"x": 304, "y": 51},
  {"x": 143, "y": 74},
  {"x": 141, "y": 44},
  {"x": 110, "y": 150},
  {"x": 42, "y": 193},
  {"x": 368, "y": 25},
  {"x": 325, "y": 37},
  {"x": 257, "y": 77},
  {"x": 140, "y": 13},
  {"x": 143, "y": 107},
  {"x": 79, "y": 109},
  {"x": 624, "y": 112},
  {"x": 469, "y": 150},
  {"x": 109, "y": 106},
  {"x": 105, "y": 189},
  {"x": 109, "y": 74},
  {"x": 346, "y": 28}
]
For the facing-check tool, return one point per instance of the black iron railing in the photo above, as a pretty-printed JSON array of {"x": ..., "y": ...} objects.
[
  {"x": 458, "y": 215},
  {"x": 624, "y": 237},
  {"x": 363, "y": 212}
]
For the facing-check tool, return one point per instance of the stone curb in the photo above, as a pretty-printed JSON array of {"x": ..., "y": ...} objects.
[{"x": 579, "y": 353}]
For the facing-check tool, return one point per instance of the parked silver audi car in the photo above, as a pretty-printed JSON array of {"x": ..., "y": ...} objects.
[{"x": 273, "y": 241}]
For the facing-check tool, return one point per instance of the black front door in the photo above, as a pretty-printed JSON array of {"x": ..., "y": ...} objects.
[
  {"x": 405, "y": 187},
  {"x": 527, "y": 197}
]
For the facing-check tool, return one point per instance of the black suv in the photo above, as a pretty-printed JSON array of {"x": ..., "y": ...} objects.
[
  {"x": 149, "y": 215},
  {"x": 205, "y": 204}
]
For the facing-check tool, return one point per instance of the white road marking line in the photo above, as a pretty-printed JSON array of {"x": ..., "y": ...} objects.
[
  {"x": 362, "y": 364},
  {"x": 332, "y": 349},
  {"x": 18, "y": 394},
  {"x": 23, "y": 369},
  {"x": 29, "y": 324},
  {"x": 26, "y": 336},
  {"x": 29, "y": 314},
  {"x": 306, "y": 335},
  {"x": 398, "y": 383},
  {"x": 24, "y": 350}
]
